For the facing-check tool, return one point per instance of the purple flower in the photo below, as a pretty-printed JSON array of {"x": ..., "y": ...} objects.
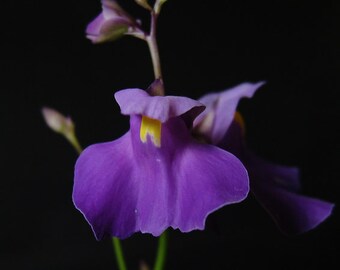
[
  {"x": 156, "y": 175},
  {"x": 110, "y": 24},
  {"x": 276, "y": 187}
]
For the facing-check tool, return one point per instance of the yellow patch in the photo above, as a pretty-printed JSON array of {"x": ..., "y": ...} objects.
[{"x": 153, "y": 128}]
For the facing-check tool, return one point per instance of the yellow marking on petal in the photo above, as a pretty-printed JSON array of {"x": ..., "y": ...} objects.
[
  {"x": 151, "y": 127},
  {"x": 238, "y": 118}
]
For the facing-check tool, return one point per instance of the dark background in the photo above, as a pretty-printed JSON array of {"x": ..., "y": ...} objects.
[{"x": 205, "y": 46}]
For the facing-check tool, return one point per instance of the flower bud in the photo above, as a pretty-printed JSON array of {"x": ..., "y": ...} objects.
[
  {"x": 61, "y": 124},
  {"x": 112, "y": 23},
  {"x": 56, "y": 121}
]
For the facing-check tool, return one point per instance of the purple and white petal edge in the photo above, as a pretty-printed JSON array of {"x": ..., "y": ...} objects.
[
  {"x": 221, "y": 108},
  {"x": 136, "y": 101}
]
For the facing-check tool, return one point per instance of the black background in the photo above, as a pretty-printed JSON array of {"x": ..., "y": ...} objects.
[{"x": 205, "y": 46}]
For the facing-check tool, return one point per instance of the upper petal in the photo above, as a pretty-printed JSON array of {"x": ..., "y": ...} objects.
[
  {"x": 220, "y": 110},
  {"x": 137, "y": 101}
]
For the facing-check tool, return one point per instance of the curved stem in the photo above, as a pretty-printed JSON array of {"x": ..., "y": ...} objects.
[
  {"x": 152, "y": 42},
  {"x": 153, "y": 47},
  {"x": 119, "y": 253},
  {"x": 154, "y": 56},
  {"x": 161, "y": 252}
]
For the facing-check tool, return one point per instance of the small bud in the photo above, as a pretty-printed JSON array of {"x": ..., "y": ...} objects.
[
  {"x": 144, "y": 4},
  {"x": 61, "y": 124},
  {"x": 56, "y": 121}
]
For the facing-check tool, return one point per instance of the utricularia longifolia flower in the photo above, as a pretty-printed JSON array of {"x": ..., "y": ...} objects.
[
  {"x": 110, "y": 24},
  {"x": 156, "y": 175},
  {"x": 276, "y": 187}
]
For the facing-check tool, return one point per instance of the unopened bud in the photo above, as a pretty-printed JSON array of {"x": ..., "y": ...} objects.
[
  {"x": 61, "y": 124},
  {"x": 56, "y": 121}
]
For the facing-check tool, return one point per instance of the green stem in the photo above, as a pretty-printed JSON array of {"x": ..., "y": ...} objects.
[
  {"x": 161, "y": 252},
  {"x": 75, "y": 143},
  {"x": 119, "y": 253}
]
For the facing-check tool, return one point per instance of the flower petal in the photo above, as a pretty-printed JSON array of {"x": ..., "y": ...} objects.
[
  {"x": 112, "y": 23},
  {"x": 233, "y": 141},
  {"x": 101, "y": 189},
  {"x": 210, "y": 179},
  {"x": 128, "y": 185},
  {"x": 275, "y": 187},
  {"x": 137, "y": 101},
  {"x": 293, "y": 213},
  {"x": 267, "y": 173},
  {"x": 220, "y": 110},
  {"x": 111, "y": 9},
  {"x": 93, "y": 28},
  {"x": 106, "y": 30}
]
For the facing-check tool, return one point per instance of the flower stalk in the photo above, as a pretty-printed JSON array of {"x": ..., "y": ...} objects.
[
  {"x": 153, "y": 47},
  {"x": 119, "y": 253},
  {"x": 161, "y": 252},
  {"x": 75, "y": 143}
]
